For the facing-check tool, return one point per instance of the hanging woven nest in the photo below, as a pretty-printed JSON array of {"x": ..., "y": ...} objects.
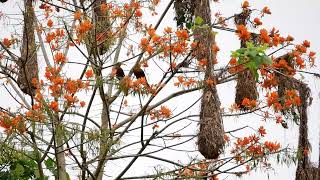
[
  {"x": 210, "y": 137},
  {"x": 27, "y": 63},
  {"x": 311, "y": 173},
  {"x": 101, "y": 35},
  {"x": 211, "y": 133},
  {"x": 246, "y": 84},
  {"x": 246, "y": 88}
]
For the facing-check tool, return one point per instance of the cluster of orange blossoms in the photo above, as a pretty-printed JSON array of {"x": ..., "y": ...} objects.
[
  {"x": 198, "y": 169},
  {"x": 185, "y": 82},
  {"x": 174, "y": 43},
  {"x": 250, "y": 104},
  {"x": 12, "y": 123},
  {"x": 163, "y": 113},
  {"x": 248, "y": 147},
  {"x": 290, "y": 99}
]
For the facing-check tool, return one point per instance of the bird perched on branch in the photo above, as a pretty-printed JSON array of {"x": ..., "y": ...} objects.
[
  {"x": 139, "y": 73},
  {"x": 118, "y": 71}
]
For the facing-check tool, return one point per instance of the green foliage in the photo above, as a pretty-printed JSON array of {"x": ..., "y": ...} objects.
[
  {"x": 252, "y": 57},
  {"x": 21, "y": 169}
]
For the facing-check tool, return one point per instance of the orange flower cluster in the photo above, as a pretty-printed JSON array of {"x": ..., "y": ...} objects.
[
  {"x": 59, "y": 58},
  {"x": 270, "y": 80},
  {"x": 6, "y": 42},
  {"x": 243, "y": 32},
  {"x": 12, "y": 123},
  {"x": 273, "y": 100},
  {"x": 257, "y": 21},
  {"x": 249, "y": 103},
  {"x": 175, "y": 43},
  {"x": 163, "y": 113},
  {"x": 198, "y": 169},
  {"x": 84, "y": 27},
  {"x": 182, "y": 81},
  {"x": 291, "y": 99},
  {"x": 272, "y": 146},
  {"x": 283, "y": 64},
  {"x": 251, "y": 147}
]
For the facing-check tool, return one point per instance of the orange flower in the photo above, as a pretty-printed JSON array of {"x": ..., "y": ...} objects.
[
  {"x": 272, "y": 147},
  {"x": 306, "y": 43},
  {"x": 289, "y": 38},
  {"x": 312, "y": 54},
  {"x": 50, "y": 37},
  {"x": 59, "y": 58},
  {"x": 89, "y": 73},
  {"x": 266, "y": 10},
  {"x": 168, "y": 30},
  {"x": 138, "y": 13},
  {"x": 262, "y": 131},
  {"x": 242, "y": 32},
  {"x": 233, "y": 61},
  {"x": 246, "y": 102},
  {"x": 245, "y": 4},
  {"x": 82, "y": 103},
  {"x": 6, "y": 42},
  {"x": 165, "y": 112},
  {"x": 144, "y": 42},
  {"x": 257, "y": 21},
  {"x": 54, "y": 106},
  {"x": 182, "y": 34},
  {"x": 77, "y": 15},
  {"x": 264, "y": 36},
  {"x": 50, "y": 23},
  {"x": 84, "y": 26}
]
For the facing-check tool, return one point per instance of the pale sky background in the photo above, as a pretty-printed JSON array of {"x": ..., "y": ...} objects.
[{"x": 295, "y": 17}]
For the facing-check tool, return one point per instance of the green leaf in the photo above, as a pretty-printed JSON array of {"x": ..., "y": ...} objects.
[
  {"x": 50, "y": 164},
  {"x": 198, "y": 20}
]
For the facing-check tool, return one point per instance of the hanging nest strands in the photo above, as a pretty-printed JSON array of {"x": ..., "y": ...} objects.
[
  {"x": 27, "y": 63},
  {"x": 246, "y": 84},
  {"x": 184, "y": 13},
  {"x": 102, "y": 31},
  {"x": 305, "y": 170},
  {"x": 210, "y": 137}
]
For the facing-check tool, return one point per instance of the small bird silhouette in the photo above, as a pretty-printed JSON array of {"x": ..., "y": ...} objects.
[
  {"x": 139, "y": 73},
  {"x": 118, "y": 71}
]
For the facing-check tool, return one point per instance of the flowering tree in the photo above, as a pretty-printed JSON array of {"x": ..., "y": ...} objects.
[{"x": 93, "y": 83}]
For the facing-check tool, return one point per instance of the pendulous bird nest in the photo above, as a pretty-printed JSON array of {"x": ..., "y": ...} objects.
[{"x": 210, "y": 137}]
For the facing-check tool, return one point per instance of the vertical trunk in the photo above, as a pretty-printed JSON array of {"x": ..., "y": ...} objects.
[
  {"x": 28, "y": 64},
  {"x": 246, "y": 83},
  {"x": 210, "y": 137}
]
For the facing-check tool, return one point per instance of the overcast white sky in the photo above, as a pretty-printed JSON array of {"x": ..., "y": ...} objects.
[{"x": 295, "y": 17}]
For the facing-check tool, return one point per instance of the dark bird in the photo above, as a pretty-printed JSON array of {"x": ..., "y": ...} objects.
[
  {"x": 118, "y": 71},
  {"x": 139, "y": 73}
]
